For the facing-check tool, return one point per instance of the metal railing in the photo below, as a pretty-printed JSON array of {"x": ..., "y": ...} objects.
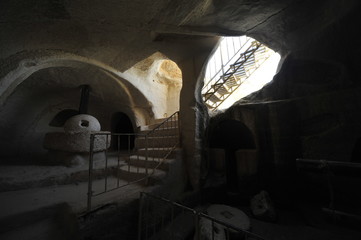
[
  {"x": 330, "y": 171},
  {"x": 220, "y": 87},
  {"x": 225, "y": 62},
  {"x": 160, "y": 218},
  {"x": 143, "y": 155}
]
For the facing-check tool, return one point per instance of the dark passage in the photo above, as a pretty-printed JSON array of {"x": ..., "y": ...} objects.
[
  {"x": 121, "y": 124},
  {"x": 231, "y": 135}
]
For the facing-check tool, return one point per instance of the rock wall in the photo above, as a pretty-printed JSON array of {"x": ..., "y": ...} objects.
[
  {"x": 311, "y": 109},
  {"x": 321, "y": 39}
]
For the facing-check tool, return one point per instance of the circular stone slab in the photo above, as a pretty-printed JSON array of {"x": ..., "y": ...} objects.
[
  {"x": 82, "y": 123},
  {"x": 230, "y": 215},
  {"x": 227, "y": 214}
]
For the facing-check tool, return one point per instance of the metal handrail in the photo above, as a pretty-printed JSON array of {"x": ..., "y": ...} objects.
[
  {"x": 196, "y": 214},
  {"x": 176, "y": 114},
  {"x": 242, "y": 62},
  {"x": 227, "y": 63},
  {"x": 131, "y": 153},
  {"x": 243, "y": 56},
  {"x": 236, "y": 87},
  {"x": 166, "y": 120}
]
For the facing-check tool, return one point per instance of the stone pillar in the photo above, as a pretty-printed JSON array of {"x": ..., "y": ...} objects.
[{"x": 192, "y": 110}]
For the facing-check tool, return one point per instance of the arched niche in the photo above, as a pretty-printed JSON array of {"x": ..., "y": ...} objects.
[
  {"x": 50, "y": 95},
  {"x": 233, "y": 152},
  {"x": 122, "y": 124},
  {"x": 160, "y": 80},
  {"x": 232, "y": 134},
  {"x": 21, "y": 66}
]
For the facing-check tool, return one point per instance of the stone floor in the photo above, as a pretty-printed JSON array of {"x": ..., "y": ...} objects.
[
  {"x": 25, "y": 188},
  {"x": 30, "y": 197},
  {"x": 37, "y": 189},
  {"x": 15, "y": 202},
  {"x": 27, "y": 192}
]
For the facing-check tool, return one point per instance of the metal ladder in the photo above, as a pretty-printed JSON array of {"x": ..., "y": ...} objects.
[{"x": 235, "y": 75}]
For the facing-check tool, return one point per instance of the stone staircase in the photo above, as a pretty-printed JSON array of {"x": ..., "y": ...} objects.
[
  {"x": 147, "y": 164},
  {"x": 29, "y": 187},
  {"x": 153, "y": 151},
  {"x": 40, "y": 190}
]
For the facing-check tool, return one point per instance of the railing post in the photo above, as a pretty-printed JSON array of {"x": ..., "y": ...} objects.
[
  {"x": 140, "y": 216},
  {"x": 212, "y": 231},
  {"x": 129, "y": 156},
  {"x": 173, "y": 213},
  {"x": 172, "y": 220},
  {"x": 90, "y": 174},
  {"x": 197, "y": 228},
  {"x": 179, "y": 130},
  {"x": 146, "y": 154},
  {"x": 146, "y": 159},
  {"x": 227, "y": 233},
  {"x": 118, "y": 164},
  {"x": 106, "y": 162}
]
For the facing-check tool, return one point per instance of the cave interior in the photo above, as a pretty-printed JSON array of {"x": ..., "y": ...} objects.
[{"x": 123, "y": 67}]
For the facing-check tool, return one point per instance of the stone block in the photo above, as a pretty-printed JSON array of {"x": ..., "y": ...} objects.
[
  {"x": 262, "y": 207},
  {"x": 228, "y": 215}
]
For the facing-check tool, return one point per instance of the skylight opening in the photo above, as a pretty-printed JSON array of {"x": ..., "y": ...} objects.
[{"x": 239, "y": 67}]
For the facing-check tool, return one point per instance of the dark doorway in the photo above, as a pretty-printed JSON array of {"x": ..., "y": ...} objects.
[
  {"x": 231, "y": 135},
  {"x": 121, "y": 124},
  {"x": 356, "y": 153},
  {"x": 60, "y": 118}
]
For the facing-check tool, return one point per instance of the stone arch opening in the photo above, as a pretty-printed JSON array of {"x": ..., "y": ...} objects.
[
  {"x": 27, "y": 63},
  {"x": 237, "y": 151},
  {"x": 47, "y": 95},
  {"x": 169, "y": 70},
  {"x": 121, "y": 123},
  {"x": 161, "y": 83},
  {"x": 232, "y": 134}
]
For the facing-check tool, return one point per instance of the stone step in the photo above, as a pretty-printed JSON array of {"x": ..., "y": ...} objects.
[
  {"x": 221, "y": 89},
  {"x": 156, "y": 152},
  {"x": 174, "y": 131},
  {"x": 134, "y": 173},
  {"x": 211, "y": 97},
  {"x": 141, "y": 161},
  {"x": 173, "y": 123},
  {"x": 156, "y": 142},
  {"x": 232, "y": 82},
  {"x": 159, "y": 120}
]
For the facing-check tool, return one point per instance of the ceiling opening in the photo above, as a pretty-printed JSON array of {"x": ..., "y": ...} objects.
[
  {"x": 238, "y": 67},
  {"x": 160, "y": 80}
]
